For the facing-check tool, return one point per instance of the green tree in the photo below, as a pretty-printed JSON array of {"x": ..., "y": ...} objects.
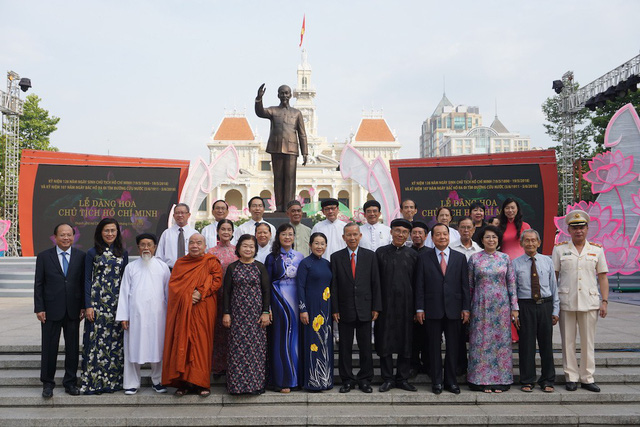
[
  {"x": 583, "y": 134},
  {"x": 36, "y": 126}
]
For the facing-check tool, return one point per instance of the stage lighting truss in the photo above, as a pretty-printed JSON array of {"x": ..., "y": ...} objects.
[
  {"x": 595, "y": 94},
  {"x": 627, "y": 74},
  {"x": 11, "y": 107}
]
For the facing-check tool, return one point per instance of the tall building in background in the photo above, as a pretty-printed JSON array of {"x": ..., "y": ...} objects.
[{"x": 458, "y": 130}]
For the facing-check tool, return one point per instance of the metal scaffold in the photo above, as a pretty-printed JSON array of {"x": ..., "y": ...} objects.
[
  {"x": 11, "y": 107},
  {"x": 608, "y": 86}
]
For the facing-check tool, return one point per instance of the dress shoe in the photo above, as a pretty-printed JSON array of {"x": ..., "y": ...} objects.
[
  {"x": 591, "y": 387},
  {"x": 453, "y": 389},
  {"x": 404, "y": 385},
  {"x": 386, "y": 386},
  {"x": 571, "y": 386},
  {"x": 47, "y": 392},
  {"x": 72, "y": 390},
  {"x": 436, "y": 388},
  {"x": 366, "y": 388},
  {"x": 346, "y": 388}
]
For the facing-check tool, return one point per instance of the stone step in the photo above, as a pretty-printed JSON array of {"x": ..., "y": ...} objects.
[
  {"x": 303, "y": 415},
  {"x": 17, "y": 293},
  {"x": 16, "y": 283},
  {"x": 31, "y": 397},
  {"x": 603, "y": 359},
  {"x": 604, "y": 375},
  {"x": 599, "y": 346}
]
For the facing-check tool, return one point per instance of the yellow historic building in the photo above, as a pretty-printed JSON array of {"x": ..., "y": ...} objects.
[{"x": 320, "y": 178}]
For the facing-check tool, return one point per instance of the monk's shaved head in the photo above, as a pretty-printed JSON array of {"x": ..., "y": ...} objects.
[{"x": 197, "y": 245}]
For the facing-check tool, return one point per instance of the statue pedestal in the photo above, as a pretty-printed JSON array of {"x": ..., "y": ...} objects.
[{"x": 278, "y": 218}]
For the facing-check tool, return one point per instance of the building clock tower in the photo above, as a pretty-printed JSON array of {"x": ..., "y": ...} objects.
[{"x": 304, "y": 94}]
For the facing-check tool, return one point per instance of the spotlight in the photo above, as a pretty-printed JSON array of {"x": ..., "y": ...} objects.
[
  {"x": 621, "y": 89},
  {"x": 600, "y": 100},
  {"x": 633, "y": 83},
  {"x": 591, "y": 103},
  {"x": 25, "y": 84},
  {"x": 610, "y": 93},
  {"x": 557, "y": 86}
]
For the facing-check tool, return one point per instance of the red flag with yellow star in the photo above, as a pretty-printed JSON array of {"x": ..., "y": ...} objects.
[{"x": 302, "y": 30}]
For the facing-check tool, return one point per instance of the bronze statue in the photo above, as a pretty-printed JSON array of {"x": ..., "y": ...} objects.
[{"x": 287, "y": 131}]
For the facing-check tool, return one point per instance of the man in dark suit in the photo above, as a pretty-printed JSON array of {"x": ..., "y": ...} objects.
[
  {"x": 59, "y": 305},
  {"x": 356, "y": 302},
  {"x": 442, "y": 303}
]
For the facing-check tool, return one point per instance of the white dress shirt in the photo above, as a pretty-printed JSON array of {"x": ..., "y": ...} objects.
[
  {"x": 473, "y": 249},
  {"x": 210, "y": 233},
  {"x": 168, "y": 245},
  {"x": 375, "y": 236},
  {"x": 333, "y": 231},
  {"x": 59, "y": 252}
]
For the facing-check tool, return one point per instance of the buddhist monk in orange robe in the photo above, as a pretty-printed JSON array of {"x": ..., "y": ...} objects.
[{"x": 191, "y": 313}]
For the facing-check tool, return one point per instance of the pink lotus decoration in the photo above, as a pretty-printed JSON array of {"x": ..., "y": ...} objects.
[
  {"x": 610, "y": 170},
  {"x": 4, "y": 228},
  {"x": 234, "y": 213},
  {"x": 621, "y": 256},
  {"x": 601, "y": 224},
  {"x": 358, "y": 216}
]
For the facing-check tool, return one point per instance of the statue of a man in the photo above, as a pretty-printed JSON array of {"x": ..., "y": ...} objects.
[{"x": 287, "y": 131}]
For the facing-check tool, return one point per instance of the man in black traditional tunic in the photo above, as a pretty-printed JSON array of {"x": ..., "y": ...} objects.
[{"x": 394, "y": 327}]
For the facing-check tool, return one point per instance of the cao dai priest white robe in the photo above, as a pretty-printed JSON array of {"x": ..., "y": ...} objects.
[
  {"x": 143, "y": 303},
  {"x": 333, "y": 231}
]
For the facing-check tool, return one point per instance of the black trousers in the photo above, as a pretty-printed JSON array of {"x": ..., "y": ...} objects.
[
  {"x": 50, "y": 342},
  {"x": 419, "y": 353},
  {"x": 345, "y": 362},
  {"x": 403, "y": 367},
  {"x": 451, "y": 329},
  {"x": 284, "y": 179},
  {"x": 536, "y": 324}
]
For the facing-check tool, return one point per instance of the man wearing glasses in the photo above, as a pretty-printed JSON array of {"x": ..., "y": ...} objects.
[
  {"x": 174, "y": 240},
  {"x": 331, "y": 227},
  {"x": 256, "y": 208}
]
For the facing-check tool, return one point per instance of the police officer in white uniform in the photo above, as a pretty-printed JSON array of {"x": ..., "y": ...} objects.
[{"x": 580, "y": 268}]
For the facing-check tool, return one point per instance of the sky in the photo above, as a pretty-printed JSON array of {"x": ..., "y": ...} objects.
[{"x": 154, "y": 78}]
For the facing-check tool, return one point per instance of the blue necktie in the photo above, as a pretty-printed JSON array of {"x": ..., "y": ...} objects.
[{"x": 65, "y": 264}]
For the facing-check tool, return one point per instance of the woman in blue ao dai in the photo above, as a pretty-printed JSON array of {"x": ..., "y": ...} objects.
[
  {"x": 314, "y": 282},
  {"x": 282, "y": 265}
]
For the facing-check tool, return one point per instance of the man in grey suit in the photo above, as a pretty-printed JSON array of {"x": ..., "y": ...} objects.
[
  {"x": 287, "y": 131},
  {"x": 59, "y": 305}
]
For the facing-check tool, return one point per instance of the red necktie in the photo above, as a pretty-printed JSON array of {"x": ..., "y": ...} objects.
[
  {"x": 353, "y": 264},
  {"x": 443, "y": 264}
]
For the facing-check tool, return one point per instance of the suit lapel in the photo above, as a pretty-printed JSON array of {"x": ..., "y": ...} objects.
[
  {"x": 347, "y": 265},
  {"x": 434, "y": 257},
  {"x": 56, "y": 260}
]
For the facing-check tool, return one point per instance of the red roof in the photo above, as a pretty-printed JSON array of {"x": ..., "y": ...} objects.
[
  {"x": 374, "y": 130},
  {"x": 234, "y": 129}
]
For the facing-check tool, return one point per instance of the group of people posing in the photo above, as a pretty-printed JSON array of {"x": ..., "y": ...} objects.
[{"x": 263, "y": 306}]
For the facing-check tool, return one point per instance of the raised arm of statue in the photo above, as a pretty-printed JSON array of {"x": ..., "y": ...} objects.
[{"x": 258, "y": 104}]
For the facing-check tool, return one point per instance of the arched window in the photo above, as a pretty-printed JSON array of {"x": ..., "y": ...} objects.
[
  {"x": 266, "y": 196},
  {"x": 234, "y": 198},
  {"x": 343, "y": 197}
]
